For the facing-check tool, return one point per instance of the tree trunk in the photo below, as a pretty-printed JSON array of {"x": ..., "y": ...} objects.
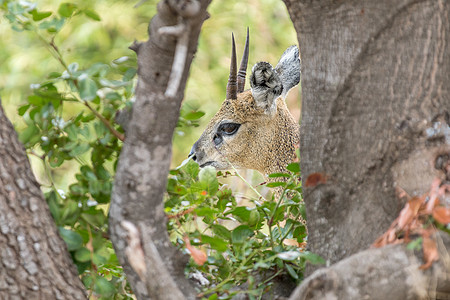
[
  {"x": 155, "y": 269},
  {"x": 35, "y": 261},
  {"x": 375, "y": 112}
]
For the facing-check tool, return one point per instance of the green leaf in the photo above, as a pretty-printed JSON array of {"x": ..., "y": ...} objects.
[
  {"x": 36, "y": 100},
  {"x": 221, "y": 231},
  {"x": 83, "y": 255},
  {"x": 99, "y": 259},
  {"x": 205, "y": 211},
  {"x": 40, "y": 15},
  {"x": 53, "y": 206},
  {"x": 241, "y": 213},
  {"x": 72, "y": 132},
  {"x": 207, "y": 176},
  {"x": 73, "y": 239},
  {"x": 53, "y": 75},
  {"x": 95, "y": 187},
  {"x": 96, "y": 218},
  {"x": 73, "y": 67},
  {"x": 192, "y": 168},
  {"x": 194, "y": 115},
  {"x": 294, "y": 167},
  {"x": 129, "y": 74},
  {"x": 113, "y": 96},
  {"x": 215, "y": 242},
  {"x": 275, "y": 184},
  {"x": 97, "y": 69},
  {"x": 240, "y": 234},
  {"x": 30, "y": 135},
  {"x": 66, "y": 9},
  {"x": 56, "y": 160},
  {"x": 69, "y": 212},
  {"x": 291, "y": 271},
  {"x": 312, "y": 258},
  {"x": 254, "y": 218},
  {"x": 53, "y": 25},
  {"x": 415, "y": 244},
  {"x": 88, "y": 88},
  {"x": 79, "y": 149},
  {"x": 23, "y": 109},
  {"x": 88, "y": 173},
  {"x": 103, "y": 287},
  {"x": 213, "y": 297},
  {"x": 275, "y": 175},
  {"x": 92, "y": 14}
]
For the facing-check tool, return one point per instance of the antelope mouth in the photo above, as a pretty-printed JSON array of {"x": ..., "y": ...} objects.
[{"x": 208, "y": 163}]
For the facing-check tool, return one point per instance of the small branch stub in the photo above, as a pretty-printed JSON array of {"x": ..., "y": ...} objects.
[
  {"x": 181, "y": 31},
  {"x": 134, "y": 251}
]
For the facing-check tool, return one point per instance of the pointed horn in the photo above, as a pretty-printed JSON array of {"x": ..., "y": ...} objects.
[
  {"x": 243, "y": 68},
  {"x": 232, "y": 86}
]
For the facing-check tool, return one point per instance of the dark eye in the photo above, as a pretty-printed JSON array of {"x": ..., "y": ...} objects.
[{"x": 228, "y": 128}]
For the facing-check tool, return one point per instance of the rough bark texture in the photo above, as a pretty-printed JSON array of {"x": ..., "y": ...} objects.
[
  {"x": 375, "y": 112},
  {"x": 145, "y": 158},
  {"x": 391, "y": 273},
  {"x": 35, "y": 263}
]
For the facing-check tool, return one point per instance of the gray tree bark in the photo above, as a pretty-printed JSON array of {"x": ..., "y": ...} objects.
[
  {"x": 375, "y": 112},
  {"x": 35, "y": 263},
  {"x": 375, "y": 118},
  {"x": 390, "y": 273},
  {"x": 155, "y": 269}
]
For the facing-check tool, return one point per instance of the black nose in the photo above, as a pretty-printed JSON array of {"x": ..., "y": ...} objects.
[{"x": 192, "y": 153}]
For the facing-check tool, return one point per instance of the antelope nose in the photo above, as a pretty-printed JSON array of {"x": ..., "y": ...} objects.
[{"x": 192, "y": 153}]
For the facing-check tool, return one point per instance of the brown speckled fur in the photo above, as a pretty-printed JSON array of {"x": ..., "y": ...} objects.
[{"x": 264, "y": 142}]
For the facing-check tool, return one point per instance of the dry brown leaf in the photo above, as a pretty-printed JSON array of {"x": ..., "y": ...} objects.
[
  {"x": 197, "y": 255},
  {"x": 401, "y": 193},
  {"x": 430, "y": 252},
  {"x": 291, "y": 242},
  {"x": 380, "y": 242},
  {"x": 315, "y": 179},
  {"x": 410, "y": 211},
  {"x": 434, "y": 192},
  {"x": 442, "y": 214}
]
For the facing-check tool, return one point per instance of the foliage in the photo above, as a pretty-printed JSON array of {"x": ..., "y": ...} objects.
[
  {"x": 87, "y": 137},
  {"x": 248, "y": 245}
]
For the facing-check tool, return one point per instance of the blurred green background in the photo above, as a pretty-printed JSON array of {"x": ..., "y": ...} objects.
[{"x": 24, "y": 60}]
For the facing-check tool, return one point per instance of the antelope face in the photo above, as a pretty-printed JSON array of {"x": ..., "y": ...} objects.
[{"x": 246, "y": 130}]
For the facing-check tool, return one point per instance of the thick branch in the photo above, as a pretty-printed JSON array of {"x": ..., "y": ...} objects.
[{"x": 145, "y": 158}]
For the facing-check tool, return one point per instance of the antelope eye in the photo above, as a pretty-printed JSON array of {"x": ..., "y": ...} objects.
[{"x": 229, "y": 128}]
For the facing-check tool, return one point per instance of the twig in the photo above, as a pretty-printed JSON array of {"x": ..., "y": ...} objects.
[
  {"x": 117, "y": 134},
  {"x": 53, "y": 49},
  {"x": 182, "y": 213}
]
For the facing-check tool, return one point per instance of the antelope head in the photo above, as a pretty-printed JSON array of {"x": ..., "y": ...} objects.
[{"x": 253, "y": 129}]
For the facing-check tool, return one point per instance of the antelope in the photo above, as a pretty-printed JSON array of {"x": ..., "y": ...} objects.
[{"x": 253, "y": 129}]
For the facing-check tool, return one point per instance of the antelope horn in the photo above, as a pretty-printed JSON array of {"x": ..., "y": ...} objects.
[
  {"x": 243, "y": 68},
  {"x": 232, "y": 86}
]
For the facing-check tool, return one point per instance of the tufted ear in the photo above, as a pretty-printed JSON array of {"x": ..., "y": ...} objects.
[
  {"x": 266, "y": 86},
  {"x": 288, "y": 69}
]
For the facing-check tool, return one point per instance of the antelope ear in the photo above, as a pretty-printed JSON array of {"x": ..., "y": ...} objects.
[
  {"x": 266, "y": 86},
  {"x": 289, "y": 69}
]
